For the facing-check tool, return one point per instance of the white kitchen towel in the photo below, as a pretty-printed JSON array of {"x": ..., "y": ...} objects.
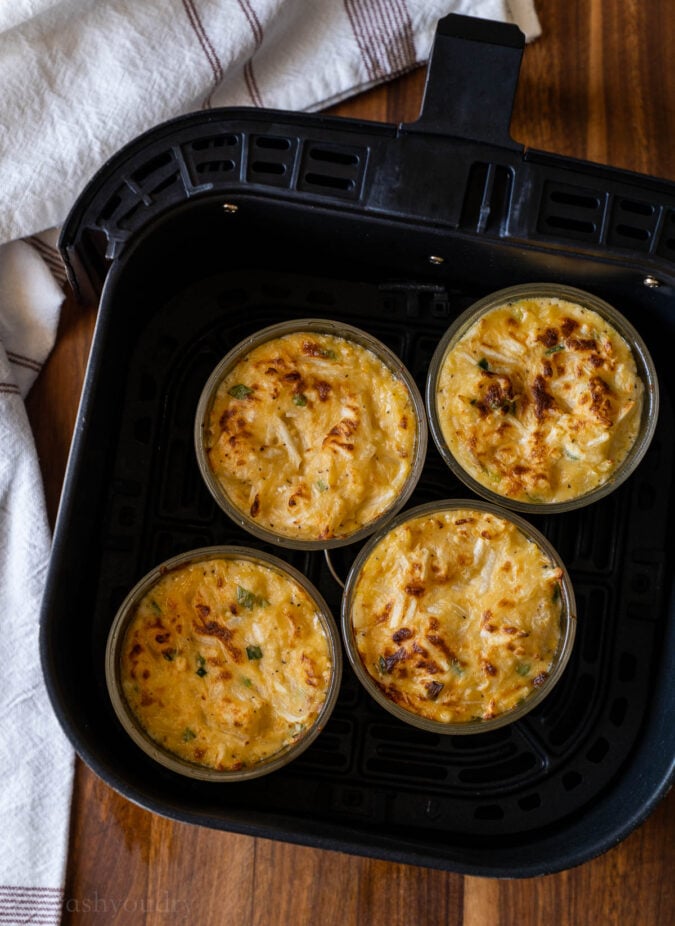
[
  {"x": 79, "y": 79},
  {"x": 36, "y": 761}
]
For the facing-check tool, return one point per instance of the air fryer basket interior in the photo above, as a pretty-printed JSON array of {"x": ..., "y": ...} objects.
[{"x": 426, "y": 224}]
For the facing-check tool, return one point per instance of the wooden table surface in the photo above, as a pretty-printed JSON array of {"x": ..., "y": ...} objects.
[{"x": 599, "y": 84}]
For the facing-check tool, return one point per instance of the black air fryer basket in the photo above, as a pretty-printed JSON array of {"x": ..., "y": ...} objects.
[{"x": 219, "y": 223}]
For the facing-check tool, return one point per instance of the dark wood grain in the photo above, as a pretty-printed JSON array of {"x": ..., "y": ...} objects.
[{"x": 598, "y": 85}]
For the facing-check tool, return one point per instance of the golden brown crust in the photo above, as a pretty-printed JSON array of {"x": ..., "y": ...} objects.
[
  {"x": 225, "y": 662},
  {"x": 474, "y": 632},
  {"x": 312, "y": 435},
  {"x": 540, "y": 400}
]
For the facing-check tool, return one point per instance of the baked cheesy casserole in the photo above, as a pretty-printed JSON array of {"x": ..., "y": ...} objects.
[
  {"x": 456, "y": 615},
  {"x": 539, "y": 400},
  {"x": 311, "y": 436},
  {"x": 225, "y": 662}
]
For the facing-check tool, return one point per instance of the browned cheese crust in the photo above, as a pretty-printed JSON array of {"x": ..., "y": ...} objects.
[
  {"x": 312, "y": 436},
  {"x": 457, "y": 615},
  {"x": 225, "y": 663},
  {"x": 540, "y": 400}
]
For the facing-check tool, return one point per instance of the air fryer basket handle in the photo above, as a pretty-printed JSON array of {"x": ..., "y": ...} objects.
[{"x": 471, "y": 80}]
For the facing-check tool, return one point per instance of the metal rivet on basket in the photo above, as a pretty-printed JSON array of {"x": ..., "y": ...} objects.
[
  {"x": 230, "y": 208},
  {"x": 651, "y": 282},
  {"x": 436, "y": 260}
]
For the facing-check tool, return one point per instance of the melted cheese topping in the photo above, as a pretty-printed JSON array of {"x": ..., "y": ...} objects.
[
  {"x": 225, "y": 663},
  {"x": 312, "y": 435},
  {"x": 540, "y": 400},
  {"x": 457, "y": 615}
]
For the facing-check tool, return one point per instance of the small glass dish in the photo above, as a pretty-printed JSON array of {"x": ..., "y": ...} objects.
[
  {"x": 310, "y": 434},
  {"x": 542, "y": 397},
  {"x": 458, "y": 617},
  {"x": 209, "y": 675}
]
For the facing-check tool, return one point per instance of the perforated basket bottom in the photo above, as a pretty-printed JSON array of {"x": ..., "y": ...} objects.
[{"x": 368, "y": 770}]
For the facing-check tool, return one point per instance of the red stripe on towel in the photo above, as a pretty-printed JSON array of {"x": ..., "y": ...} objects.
[
  {"x": 207, "y": 47},
  {"x": 22, "y": 361},
  {"x": 258, "y": 35},
  {"x": 15, "y": 890},
  {"x": 30, "y": 904},
  {"x": 387, "y": 36},
  {"x": 408, "y": 35},
  {"x": 251, "y": 84},
  {"x": 397, "y": 34},
  {"x": 50, "y": 256},
  {"x": 361, "y": 24},
  {"x": 384, "y": 35},
  {"x": 253, "y": 21}
]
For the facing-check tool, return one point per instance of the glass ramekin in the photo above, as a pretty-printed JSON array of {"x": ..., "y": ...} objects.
[
  {"x": 335, "y": 329},
  {"x": 560, "y": 658},
  {"x": 645, "y": 370},
  {"x": 131, "y": 723}
]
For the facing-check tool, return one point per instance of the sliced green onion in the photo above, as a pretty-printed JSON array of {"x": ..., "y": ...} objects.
[
  {"x": 249, "y": 600},
  {"x": 240, "y": 391}
]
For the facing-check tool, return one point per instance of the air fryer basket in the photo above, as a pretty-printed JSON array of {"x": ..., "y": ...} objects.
[{"x": 219, "y": 223}]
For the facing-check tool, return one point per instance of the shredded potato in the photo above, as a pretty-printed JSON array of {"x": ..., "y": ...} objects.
[
  {"x": 540, "y": 400},
  {"x": 225, "y": 662},
  {"x": 311, "y": 435},
  {"x": 451, "y": 633}
]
